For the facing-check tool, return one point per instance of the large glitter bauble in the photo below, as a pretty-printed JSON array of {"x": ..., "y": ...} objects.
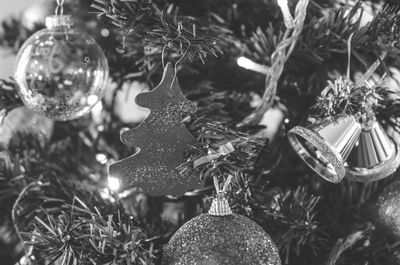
[
  {"x": 221, "y": 240},
  {"x": 61, "y": 72},
  {"x": 388, "y": 208}
]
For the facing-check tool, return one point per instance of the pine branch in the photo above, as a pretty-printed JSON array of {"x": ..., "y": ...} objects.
[
  {"x": 221, "y": 150},
  {"x": 60, "y": 218},
  {"x": 290, "y": 216},
  {"x": 60, "y": 228},
  {"x": 14, "y": 33},
  {"x": 158, "y": 25},
  {"x": 296, "y": 214},
  {"x": 324, "y": 37},
  {"x": 9, "y": 98}
]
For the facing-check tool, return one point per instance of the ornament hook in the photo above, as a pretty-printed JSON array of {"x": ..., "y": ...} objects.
[{"x": 59, "y": 9}]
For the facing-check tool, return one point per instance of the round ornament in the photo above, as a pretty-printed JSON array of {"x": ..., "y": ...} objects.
[
  {"x": 22, "y": 119},
  {"x": 220, "y": 237},
  {"x": 61, "y": 72},
  {"x": 388, "y": 208}
]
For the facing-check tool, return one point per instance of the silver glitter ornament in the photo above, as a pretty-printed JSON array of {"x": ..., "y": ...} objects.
[
  {"x": 388, "y": 208},
  {"x": 61, "y": 72},
  {"x": 220, "y": 238}
]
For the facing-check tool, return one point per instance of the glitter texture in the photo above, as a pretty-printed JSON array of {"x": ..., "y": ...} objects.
[
  {"x": 221, "y": 240},
  {"x": 388, "y": 208},
  {"x": 329, "y": 154},
  {"x": 162, "y": 139}
]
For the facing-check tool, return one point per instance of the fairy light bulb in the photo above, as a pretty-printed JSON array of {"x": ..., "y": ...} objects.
[
  {"x": 113, "y": 184},
  {"x": 253, "y": 66}
]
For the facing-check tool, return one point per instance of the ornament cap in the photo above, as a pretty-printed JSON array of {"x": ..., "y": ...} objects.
[
  {"x": 58, "y": 21},
  {"x": 220, "y": 206}
]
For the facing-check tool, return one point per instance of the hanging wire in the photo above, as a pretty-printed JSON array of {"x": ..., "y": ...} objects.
[
  {"x": 225, "y": 185},
  {"x": 59, "y": 9},
  {"x": 349, "y": 55}
]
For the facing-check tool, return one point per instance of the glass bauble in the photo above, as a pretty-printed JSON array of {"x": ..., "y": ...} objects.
[
  {"x": 388, "y": 209},
  {"x": 61, "y": 72}
]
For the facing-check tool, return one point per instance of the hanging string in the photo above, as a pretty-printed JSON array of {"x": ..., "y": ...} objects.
[
  {"x": 349, "y": 55},
  {"x": 224, "y": 187},
  {"x": 169, "y": 43},
  {"x": 180, "y": 60},
  {"x": 59, "y": 9},
  {"x": 328, "y": 88},
  {"x": 369, "y": 98},
  {"x": 371, "y": 70}
]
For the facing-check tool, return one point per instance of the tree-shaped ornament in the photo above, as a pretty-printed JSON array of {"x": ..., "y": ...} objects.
[{"x": 162, "y": 138}]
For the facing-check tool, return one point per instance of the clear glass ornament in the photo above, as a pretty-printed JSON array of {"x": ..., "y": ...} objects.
[{"x": 61, "y": 72}]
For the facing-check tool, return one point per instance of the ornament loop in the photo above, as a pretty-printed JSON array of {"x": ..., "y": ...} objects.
[{"x": 59, "y": 9}]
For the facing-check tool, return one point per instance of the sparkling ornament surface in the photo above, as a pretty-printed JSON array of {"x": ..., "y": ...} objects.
[
  {"x": 220, "y": 240},
  {"x": 61, "y": 72},
  {"x": 388, "y": 208},
  {"x": 163, "y": 140}
]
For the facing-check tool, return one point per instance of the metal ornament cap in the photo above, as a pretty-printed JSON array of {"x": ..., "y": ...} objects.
[
  {"x": 220, "y": 206},
  {"x": 325, "y": 147},
  {"x": 57, "y": 21},
  {"x": 374, "y": 157}
]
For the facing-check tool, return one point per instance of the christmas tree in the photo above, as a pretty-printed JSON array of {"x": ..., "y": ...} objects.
[{"x": 296, "y": 116}]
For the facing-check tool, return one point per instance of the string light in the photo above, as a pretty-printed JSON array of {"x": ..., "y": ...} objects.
[
  {"x": 113, "y": 184},
  {"x": 287, "y": 17},
  {"x": 101, "y": 158},
  {"x": 253, "y": 66}
]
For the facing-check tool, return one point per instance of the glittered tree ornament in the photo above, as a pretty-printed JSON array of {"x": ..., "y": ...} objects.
[
  {"x": 388, "y": 209},
  {"x": 375, "y": 156},
  {"x": 220, "y": 237},
  {"x": 325, "y": 146},
  {"x": 61, "y": 72},
  {"x": 163, "y": 139}
]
